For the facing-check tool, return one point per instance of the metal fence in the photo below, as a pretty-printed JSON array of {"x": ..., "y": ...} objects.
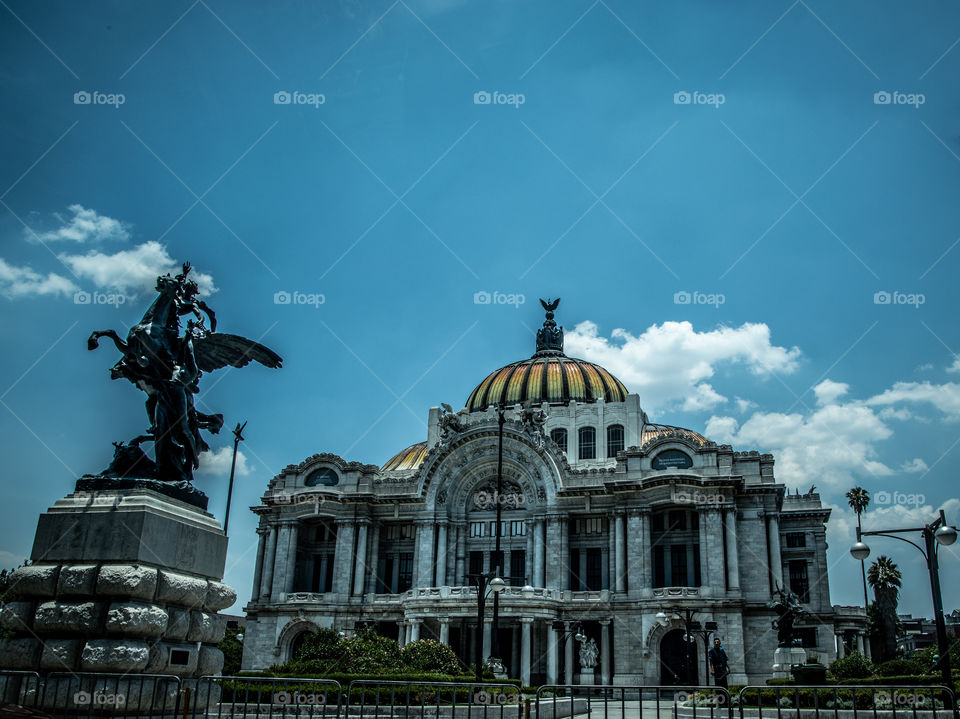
[{"x": 85, "y": 696}]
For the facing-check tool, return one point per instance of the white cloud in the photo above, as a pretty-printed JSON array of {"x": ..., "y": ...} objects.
[
  {"x": 945, "y": 397},
  {"x": 838, "y": 440},
  {"x": 955, "y": 367},
  {"x": 132, "y": 271},
  {"x": 891, "y": 413},
  {"x": 829, "y": 391},
  {"x": 668, "y": 364},
  {"x": 17, "y": 282},
  {"x": 85, "y": 225},
  {"x": 914, "y": 465},
  {"x": 9, "y": 560},
  {"x": 216, "y": 462},
  {"x": 744, "y": 404}
]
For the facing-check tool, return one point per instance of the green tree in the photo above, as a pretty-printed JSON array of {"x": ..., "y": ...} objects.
[
  {"x": 429, "y": 655},
  {"x": 858, "y": 498},
  {"x": 884, "y": 579},
  {"x": 232, "y": 650}
]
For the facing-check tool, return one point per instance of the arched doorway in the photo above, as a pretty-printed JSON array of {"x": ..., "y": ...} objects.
[{"x": 678, "y": 660}]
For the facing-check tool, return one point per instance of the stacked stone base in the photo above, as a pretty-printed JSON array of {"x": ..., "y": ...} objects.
[{"x": 122, "y": 582}]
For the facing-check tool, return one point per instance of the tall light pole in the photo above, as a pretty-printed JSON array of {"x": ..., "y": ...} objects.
[
  {"x": 936, "y": 533},
  {"x": 492, "y": 581},
  {"x": 498, "y": 570},
  {"x": 237, "y": 439}
]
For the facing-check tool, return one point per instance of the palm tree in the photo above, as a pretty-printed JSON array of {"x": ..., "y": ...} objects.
[
  {"x": 884, "y": 578},
  {"x": 858, "y": 498}
]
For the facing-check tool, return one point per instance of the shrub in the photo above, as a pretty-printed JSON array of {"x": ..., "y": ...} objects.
[
  {"x": 896, "y": 667},
  {"x": 325, "y": 645},
  {"x": 852, "y": 666},
  {"x": 367, "y": 651},
  {"x": 429, "y": 655},
  {"x": 232, "y": 652}
]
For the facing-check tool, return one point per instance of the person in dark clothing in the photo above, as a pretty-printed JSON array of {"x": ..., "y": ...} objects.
[{"x": 719, "y": 664}]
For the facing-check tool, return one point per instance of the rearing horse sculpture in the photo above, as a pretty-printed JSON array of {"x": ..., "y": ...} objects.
[{"x": 168, "y": 367}]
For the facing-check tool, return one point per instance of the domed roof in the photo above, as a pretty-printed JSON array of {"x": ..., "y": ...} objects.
[
  {"x": 548, "y": 376},
  {"x": 655, "y": 431},
  {"x": 410, "y": 458}
]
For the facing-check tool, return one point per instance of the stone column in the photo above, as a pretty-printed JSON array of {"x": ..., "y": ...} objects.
[
  {"x": 563, "y": 566},
  {"x": 773, "y": 540},
  {"x": 605, "y": 652},
  {"x": 258, "y": 571},
  {"x": 611, "y": 564},
  {"x": 445, "y": 631},
  {"x": 568, "y": 654},
  {"x": 291, "y": 556},
  {"x": 324, "y": 561},
  {"x": 714, "y": 568},
  {"x": 360, "y": 573},
  {"x": 551, "y": 551},
  {"x": 530, "y": 525},
  {"x": 280, "y": 562},
  {"x": 269, "y": 560},
  {"x": 424, "y": 555},
  {"x": 551, "y": 654},
  {"x": 414, "y": 630},
  {"x": 620, "y": 547},
  {"x": 461, "y": 559},
  {"x": 374, "y": 558},
  {"x": 704, "y": 545},
  {"x": 538, "y": 559},
  {"x": 401, "y": 633},
  {"x": 343, "y": 559},
  {"x": 442, "y": 554},
  {"x": 525, "y": 625},
  {"x": 638, "y": 550},
  {"x": 860, "y": 644},
  {"x": 733, "y": 561},
  {"x": 487, "y": 636}
]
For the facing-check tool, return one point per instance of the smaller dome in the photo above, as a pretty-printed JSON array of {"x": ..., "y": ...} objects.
[
  {"x": 410, "y": 458},
  {"x": 655, "y": 431}
]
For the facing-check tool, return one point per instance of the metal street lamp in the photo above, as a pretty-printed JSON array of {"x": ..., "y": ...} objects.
[
  {"x": 934, "y": 534},
  {"x": 576, "y": 631},
  {"x": 495, "y": 584},
  {"x": 495, "y": 629},
  {"x": 691, "y": 629}
]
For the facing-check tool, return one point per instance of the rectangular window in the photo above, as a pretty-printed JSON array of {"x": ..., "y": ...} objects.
[
  {"x": 328, "y": 581},
  {"x": 659, "y": 575},
  {"x": 406, "y": 572},
  {"x": 575, "y": 583},
  {"x": 678, "y": 565},
  {"x": 796, "y": 540},
  {"x": 518, "y": 567},
  {"x": 587, "y": 441},
  {"x": 696, "y": 565},
  {"x": 496, "y": 563},
  {"x": 386, "y": 575},
  {"x": 478, "y": 529},
  {"x": 476, "y": 566},
  {"x": 594, "y": 573},
  {"x": 614, "y": 440},
  {"x": 559, "y": 435},
  {"x": 799, "y": 584},
  {"x": 317, "y": 578},
  {"x": 518, "y": 528}
]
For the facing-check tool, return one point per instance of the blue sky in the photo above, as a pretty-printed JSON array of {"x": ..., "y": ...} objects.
[{"x": 745, "y": 158}]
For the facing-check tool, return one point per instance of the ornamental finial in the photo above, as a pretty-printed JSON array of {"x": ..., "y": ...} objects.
[{"x": 550, "y": 337}]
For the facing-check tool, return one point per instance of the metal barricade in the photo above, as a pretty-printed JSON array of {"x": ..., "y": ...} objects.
[
  {"x": 369, "y": 698},
  {"x": 239, "y": 697},
  {"x": 848, "y": 701},
  {"x": 561, "y": 701}
]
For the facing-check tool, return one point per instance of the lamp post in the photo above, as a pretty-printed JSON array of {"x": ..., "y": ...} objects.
[
  {"x": 576, "y": 631},
  {"x": 237, "y": 439},
  {"x": 498, "y": 570},
  {"x": 494, "y": 583},
  {"x": 935, "y": 533},
  {"x": 690, "y": 628}
]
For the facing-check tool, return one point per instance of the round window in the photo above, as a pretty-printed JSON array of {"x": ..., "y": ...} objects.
[{"x": 324, "y": 476}]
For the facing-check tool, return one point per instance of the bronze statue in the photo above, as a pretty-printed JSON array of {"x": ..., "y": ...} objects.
[
  {"x": 788, "y": 608},
  {"x": 167, "y": 366}
]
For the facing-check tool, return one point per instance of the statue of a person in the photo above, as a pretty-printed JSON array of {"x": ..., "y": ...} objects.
[{"x": 588, "y": 654}]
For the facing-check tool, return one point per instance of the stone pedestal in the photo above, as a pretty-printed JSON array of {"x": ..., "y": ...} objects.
[
  {"x": 122, "y": 580},
  {"x": 587, "y": 677},
  {"x": 786, "y": 657}
]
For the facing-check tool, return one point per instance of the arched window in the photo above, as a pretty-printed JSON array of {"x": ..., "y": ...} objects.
[
  {"x": 587, "y": 442},
  {"x": 614, "y": 440},
  {"x": 675, "y": 540},
  {"x": 559, "y": 435}
]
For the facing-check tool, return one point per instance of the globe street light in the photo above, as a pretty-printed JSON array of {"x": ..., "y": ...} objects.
[{"x": 938, "y": 532}]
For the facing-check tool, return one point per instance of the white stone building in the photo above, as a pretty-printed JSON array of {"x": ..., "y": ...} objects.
[{"x": 611, "y": 520}]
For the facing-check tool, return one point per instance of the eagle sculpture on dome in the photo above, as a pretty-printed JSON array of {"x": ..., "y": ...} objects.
[
  {"x": 550, "y": 305},
  {"x": 550, "y": 337}
]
